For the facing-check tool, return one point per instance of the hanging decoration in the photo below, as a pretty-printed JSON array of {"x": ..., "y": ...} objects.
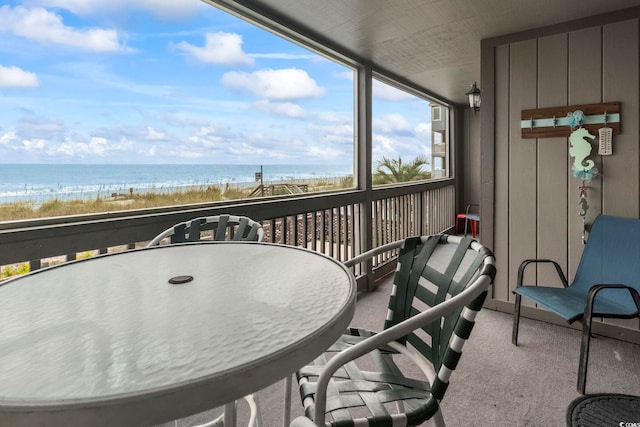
[
  {"x": 555, "y": 121},
  {"x": 582, "y": 168},
  {"x": 580, "y": 149},
  {"x": 606, "y": 135},
  {"x": 579, "y": 123}
]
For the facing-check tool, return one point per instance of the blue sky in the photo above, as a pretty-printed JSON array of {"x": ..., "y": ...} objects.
[{"x": 165, "y": 81}]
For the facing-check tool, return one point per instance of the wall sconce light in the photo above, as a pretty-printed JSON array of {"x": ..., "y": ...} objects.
[{"x": 474, "y": 97}]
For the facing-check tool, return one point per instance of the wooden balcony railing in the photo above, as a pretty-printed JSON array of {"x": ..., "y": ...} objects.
[{"x": 340, "y": 225}]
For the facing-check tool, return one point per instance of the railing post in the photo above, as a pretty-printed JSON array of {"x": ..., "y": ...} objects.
[
  {"x": 421, "y": 204},
  {"x": 35, "y": 264},
  {"x": 364, "y": 96}
]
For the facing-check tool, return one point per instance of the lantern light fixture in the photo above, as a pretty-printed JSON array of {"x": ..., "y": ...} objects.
[{"x": 474, "y": 97}]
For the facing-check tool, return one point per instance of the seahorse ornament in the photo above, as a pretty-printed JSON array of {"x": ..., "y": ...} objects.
[
  {"x": 581, "y": 149},
  {"x": 582, "y": 168}
]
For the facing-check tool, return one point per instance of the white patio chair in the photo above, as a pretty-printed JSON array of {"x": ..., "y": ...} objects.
[
  {"x": 219, "y": 228},
  {"x": 439, "y": 285}
]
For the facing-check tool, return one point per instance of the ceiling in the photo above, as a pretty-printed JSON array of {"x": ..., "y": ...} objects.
[{"x": 434, "y": 44}]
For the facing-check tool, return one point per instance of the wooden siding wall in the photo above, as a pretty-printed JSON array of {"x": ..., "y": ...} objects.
[
  {"x": 471, "y": 154},
  {"x": 527, "y": 182}
]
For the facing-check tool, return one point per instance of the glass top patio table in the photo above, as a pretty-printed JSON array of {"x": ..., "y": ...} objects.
[{"x": 110, "y": 341}]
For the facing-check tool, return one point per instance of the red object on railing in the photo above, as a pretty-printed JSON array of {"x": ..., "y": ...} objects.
[{"x": 467, "y": 217}]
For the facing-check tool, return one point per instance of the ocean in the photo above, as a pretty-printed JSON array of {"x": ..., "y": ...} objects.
[{"x": 42, "y": 182}]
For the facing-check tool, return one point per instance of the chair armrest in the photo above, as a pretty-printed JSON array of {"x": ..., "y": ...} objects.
[
  {"x": 469, "y": 208},
  {"x": 373, "y": 252},
  {"x": 394, "y": 245},
  {"x": 391, "y": 334},
  {"x": 526, "y": 262},
  {"x": 593, "y": 291}
]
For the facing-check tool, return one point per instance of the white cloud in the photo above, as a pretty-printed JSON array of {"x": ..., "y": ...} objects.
[
  {"x": 46, "y": 27},
  {"x": 284, "y": 84},
  {"x": 84, "y": 147},
  {"x": 389, "y": 93},
  {"x": 189, "y": 155},
  {"x": 66, "y": 148},
  {"x": 98, "y": 146},
  {"x": 334, "y": 133},
  {"x": 166, "y": 9},
  {"x": 344, "y": 130},
  {"x": 220, "y": 48},
  {"x": 383, "y": 146},
  {"x": 34, "y": 127},
  {"x": 16, "y": 77},
  {"x": 424, "y": 129},
  {"x": 324, "y": 153},
  {"x": 333, "y": 117},
  {"x": 392, "y": 123},
  {"x": 288, "y": 109},
  {"x": 7, "y": 138},
  {"x": 245, "y": 149},
  {"x": 345, "y": 75},
  {"x": 207, "y": 137},
  {"x": 34, "y": 144},
  {"x": 155, "y": 135}
]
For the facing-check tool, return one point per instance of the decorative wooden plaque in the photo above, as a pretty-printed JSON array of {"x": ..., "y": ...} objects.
[{"x": 553, "y": 122}]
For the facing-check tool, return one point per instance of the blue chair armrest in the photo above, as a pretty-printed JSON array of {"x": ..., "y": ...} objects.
[
  {"x": 589, "y": 305},
  {"x": 526, "y": 262}
]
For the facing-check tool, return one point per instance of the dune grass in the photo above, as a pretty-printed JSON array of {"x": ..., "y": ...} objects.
[
  {"x": 135, "y": 200},
  {"x": 148, "y": 199}
]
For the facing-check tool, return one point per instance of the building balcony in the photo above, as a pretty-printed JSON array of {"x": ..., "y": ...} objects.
[
  {"x": 495, "y": 384},
  {"x": 439, "y": 150}
]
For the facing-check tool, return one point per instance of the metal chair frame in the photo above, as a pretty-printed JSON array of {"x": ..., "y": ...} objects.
[
  {"x": 223, "y": 227},
  {"x": 457, "y": 302},
  {"x": 606, "y": 284},
  {"x": 469, "y": 217}
]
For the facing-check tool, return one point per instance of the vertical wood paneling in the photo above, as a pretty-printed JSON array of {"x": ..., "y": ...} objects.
[
  {"x": 585, "y": 87},
  {"x": 440, "y": 206},
  {"x": 501, "y": 177},
  {"x": 553, "y": 172},
  {"x": 522, "y": 158},
  {"x": 536, "y": 211},
  {"x": 488, "y": 166},
  {"x": 472, "y": 154},
  {"x": 620, "y": 175}
]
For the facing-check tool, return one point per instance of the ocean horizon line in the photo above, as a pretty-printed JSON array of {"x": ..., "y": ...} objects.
[{"x": 40, "y": 182}]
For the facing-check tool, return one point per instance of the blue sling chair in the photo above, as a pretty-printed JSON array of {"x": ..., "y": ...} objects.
[{"x": 606, "y": 284}]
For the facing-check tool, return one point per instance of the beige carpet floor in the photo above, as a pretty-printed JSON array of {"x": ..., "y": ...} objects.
[{"x": 496, "y": 383}]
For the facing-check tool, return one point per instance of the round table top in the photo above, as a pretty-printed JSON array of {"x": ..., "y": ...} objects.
[{"x": 109, "y": 340}]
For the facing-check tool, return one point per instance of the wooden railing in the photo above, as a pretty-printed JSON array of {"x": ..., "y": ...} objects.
[{"x": 336, "y": 224}]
